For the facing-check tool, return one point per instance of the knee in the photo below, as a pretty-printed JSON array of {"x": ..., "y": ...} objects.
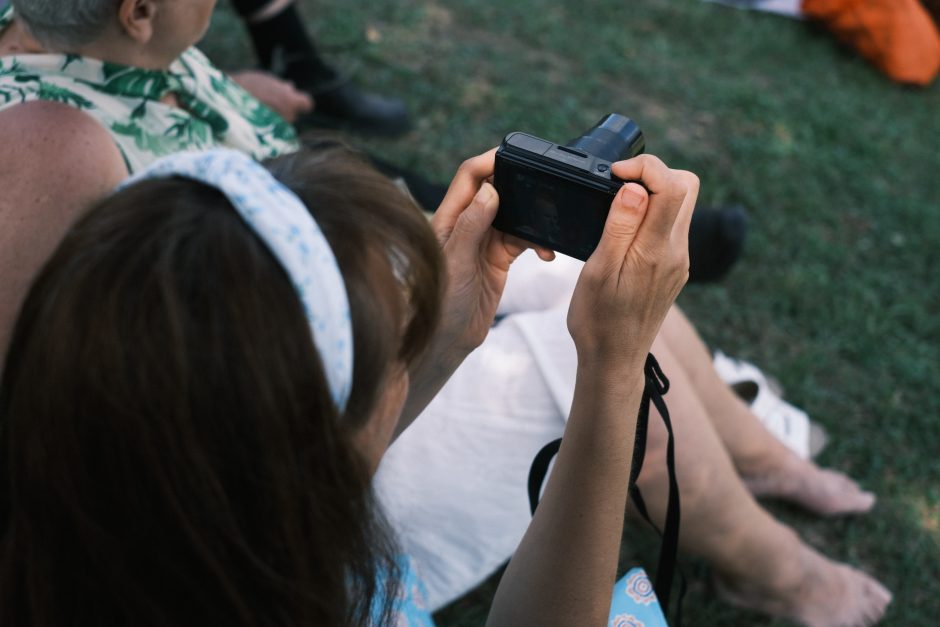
[{"x": 700, "y": 482}]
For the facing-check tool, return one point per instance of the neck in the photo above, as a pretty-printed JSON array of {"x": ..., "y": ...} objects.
[
  {"x": 124, "y": 53},
  {"x": 16, "y": 40},
  {"x": 111, "y": 47}
]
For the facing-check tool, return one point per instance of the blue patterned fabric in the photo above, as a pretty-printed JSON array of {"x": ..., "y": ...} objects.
[
  {"x": 283, "y": 222},
  {"x": 634, "y": 603},
  {"x": 411, "y": 607}
]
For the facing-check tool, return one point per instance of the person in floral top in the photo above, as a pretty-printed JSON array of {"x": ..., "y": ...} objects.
[
  {"x": 82, "y": 108},
  {"x": 188, "y": 105}
]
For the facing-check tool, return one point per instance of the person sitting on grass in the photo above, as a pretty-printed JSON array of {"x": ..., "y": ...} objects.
[
  {"x": 74, "y": 127},
  {"x": 512, "y": 395},
  {"x": 229, "y": 361},
  {"x": 285, "y": 47}
]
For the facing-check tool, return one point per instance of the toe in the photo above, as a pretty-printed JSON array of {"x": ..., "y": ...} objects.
[
  {"x": 845, "y": 496},
  {"x": 877, "y": 599},
  {"x": 866, "y": 500}
]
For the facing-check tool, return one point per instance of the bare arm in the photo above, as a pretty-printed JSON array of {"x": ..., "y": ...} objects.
[
  {"x": 564, "y": 569},
  {"x": 56, "y": 161}
]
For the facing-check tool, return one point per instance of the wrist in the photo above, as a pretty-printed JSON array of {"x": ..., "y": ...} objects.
[
  {"x": 616, "y": 381},
  {"x": 618, "y": 361}
]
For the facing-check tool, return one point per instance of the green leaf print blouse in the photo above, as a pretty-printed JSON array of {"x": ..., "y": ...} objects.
[{"x": 213, "y": 110}]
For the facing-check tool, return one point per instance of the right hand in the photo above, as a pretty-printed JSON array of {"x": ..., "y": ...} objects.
[{"x": 639, "y": 267}]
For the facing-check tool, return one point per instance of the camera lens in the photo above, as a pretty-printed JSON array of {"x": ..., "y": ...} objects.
[{"x": 614, "y": 138}]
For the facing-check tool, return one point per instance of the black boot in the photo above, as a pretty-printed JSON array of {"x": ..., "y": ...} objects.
[
  {"x": 716, "y": 240},
  {"x": 286, "y": 49}
]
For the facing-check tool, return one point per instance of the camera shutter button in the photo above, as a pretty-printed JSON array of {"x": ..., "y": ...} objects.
[{"x": 602, "y": 167}]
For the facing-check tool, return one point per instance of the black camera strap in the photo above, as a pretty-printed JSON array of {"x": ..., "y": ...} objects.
[{"x": 656, "y": 386}]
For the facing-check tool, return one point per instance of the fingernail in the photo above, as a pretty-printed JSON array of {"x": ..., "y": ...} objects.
[{"x": 630, "y": 199}]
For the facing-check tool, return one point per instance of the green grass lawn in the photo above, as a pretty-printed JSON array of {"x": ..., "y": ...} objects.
[{"x": 837, "y": 294}]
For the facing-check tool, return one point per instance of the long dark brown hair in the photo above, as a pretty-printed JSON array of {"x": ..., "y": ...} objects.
[{"x": 170, "y": 451}]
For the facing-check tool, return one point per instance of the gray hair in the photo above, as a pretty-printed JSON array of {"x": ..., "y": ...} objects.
[{"x": 65, "y": 23}]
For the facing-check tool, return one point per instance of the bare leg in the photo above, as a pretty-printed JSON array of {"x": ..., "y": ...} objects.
[
  {"x": 767, "y": 466},
  {"x": 760, "y": 563}
]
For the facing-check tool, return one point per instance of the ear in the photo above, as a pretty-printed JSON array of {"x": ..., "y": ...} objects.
[{"x": 136, "y": 19}]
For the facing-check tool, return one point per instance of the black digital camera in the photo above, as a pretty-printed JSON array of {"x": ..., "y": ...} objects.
[{"x": 558, "y": 196}]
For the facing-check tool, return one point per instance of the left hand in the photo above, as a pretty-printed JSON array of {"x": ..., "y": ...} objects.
[
  {"x": 477, "y": 255},
  {"x": 285, "y": 99},
  {"x": 477, "y": 258}
]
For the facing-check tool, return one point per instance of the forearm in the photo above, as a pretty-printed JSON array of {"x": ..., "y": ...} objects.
[
  {"x": 426, "y": 380},
  {"x": 564, "y": 569}
]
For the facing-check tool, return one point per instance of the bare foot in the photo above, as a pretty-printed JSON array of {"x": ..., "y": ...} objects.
[
  {"x": 824, "y": 492},
  {"x": 817, "y": 593}
]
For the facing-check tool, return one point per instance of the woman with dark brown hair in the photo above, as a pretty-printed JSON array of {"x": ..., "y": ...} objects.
[{"x": 203, "y": 379}]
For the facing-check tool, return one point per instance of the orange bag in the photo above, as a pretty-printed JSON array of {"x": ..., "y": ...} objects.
[{"x": 897, "y": 36}]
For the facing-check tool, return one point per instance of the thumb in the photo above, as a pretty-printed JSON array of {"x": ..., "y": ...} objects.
[
  {"x": 474, "y": 222},
  {"x": 623, "y": 222}
]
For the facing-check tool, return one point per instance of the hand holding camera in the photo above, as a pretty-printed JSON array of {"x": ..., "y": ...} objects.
[
  {"x": 628, "y": 216},
  {"x": 477, "y": 257},
  {"x": 639, "y": 266},
  {"x": 557, "y": 195}
]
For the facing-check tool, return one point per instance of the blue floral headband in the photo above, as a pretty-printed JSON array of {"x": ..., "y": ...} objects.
[{"x": 283, "y": 222}]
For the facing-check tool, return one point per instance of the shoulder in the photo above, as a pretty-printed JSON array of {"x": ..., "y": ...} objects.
[
  {"x": 55, "y": 162},
  {"x": 55, "y": 142}
]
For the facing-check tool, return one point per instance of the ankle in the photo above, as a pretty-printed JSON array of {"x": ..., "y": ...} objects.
[
  {"x": 771, "y": 458},
  {"x": 774, "y": 567}
]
